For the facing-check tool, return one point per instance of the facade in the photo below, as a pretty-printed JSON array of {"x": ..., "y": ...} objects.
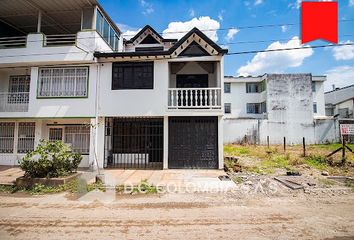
[
  {"x": 340, "y": 102},
  {"x": 67, "y": 74},
  {"x": 274, "y": 106}
]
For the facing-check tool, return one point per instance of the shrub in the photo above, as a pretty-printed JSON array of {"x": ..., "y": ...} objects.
[{"x": 50, "y": 159}]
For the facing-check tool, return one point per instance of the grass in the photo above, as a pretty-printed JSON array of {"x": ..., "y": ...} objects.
[
  {"x": 268, "y": 160},
  {"x": 144, "y": 187},
  {"x": 75, "y": 186}
]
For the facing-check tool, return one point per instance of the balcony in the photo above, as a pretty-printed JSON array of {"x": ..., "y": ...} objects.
[
  {"x": 194, "y": 98},
  {"x": 14, "y": 102}
]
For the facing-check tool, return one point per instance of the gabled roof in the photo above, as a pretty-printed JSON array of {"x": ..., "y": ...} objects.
[
  {"x": 148, "y": 27},
  {"x": 339, "y": 95},
  {"x": 175, "y": 50}
]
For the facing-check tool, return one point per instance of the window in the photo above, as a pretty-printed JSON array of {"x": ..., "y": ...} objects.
[
  {"x": 227, "y": 108},
  {"x": 315, "y": 107},
  {"x": 55, "y": 134},
  {"x": 227, "y": 87},
  {"x": 133, "y": 75},
  {"x": 19, "y": 84},
  {"x": 7, "y": 137},
  {"x": 78, "y": 136},
  {"x": 313, "y": 86},
  {"x": 63, "y": 82},
  {"x": 255, "y": 87},
  {"x": 256, "y": 108},
  {"x": 107, "y": 32},
  {"x": 26, "y": 134}
]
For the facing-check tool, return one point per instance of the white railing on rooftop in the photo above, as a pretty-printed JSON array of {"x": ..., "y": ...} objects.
[
  {"x": 197, "y": 98},
  {"x": 14, "y": 102},
  {"x": 60, "y": 39},
  {"x": 13, "y": 42}
]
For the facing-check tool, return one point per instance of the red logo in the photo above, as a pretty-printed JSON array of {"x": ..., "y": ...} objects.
[{"x": 319, "y": 21}]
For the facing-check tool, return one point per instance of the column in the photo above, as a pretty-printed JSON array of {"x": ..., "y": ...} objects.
[{"x": 165, "y": 142}]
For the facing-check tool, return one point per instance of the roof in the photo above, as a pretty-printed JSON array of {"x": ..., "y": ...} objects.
[
  {"x": 153, "y": 30},
  {"x": 262, "y": 77},
  {"x": 58, "y": 16},
  {"x": 339, "y": 95},
  {"x": 170, "y": 51}
]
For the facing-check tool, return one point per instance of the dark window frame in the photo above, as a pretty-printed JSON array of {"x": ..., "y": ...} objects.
[
  {"x": 227, "y": 108},
  {"x": 228, "y": 89},
  {"x": 142, "y": 76}
]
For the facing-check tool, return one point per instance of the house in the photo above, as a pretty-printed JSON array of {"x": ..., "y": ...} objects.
[
  {"x": 340, "y": 102},
  {"x": 67, "y": 74},
  {"x": 272, "y": 107}
]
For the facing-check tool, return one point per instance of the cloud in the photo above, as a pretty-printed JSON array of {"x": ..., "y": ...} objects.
[
  {"x": 344, "y": 52},
  {"x": 340, "y": 77},
  {"x": 221, "y": 15},
  {"x": 276, "y": 62},
  {"x": 130, "y": 33},
  {"x": 351, "y": 3},
  {"x": 257, "y": 2},
  {"x": 179, "y": 29},
  {"x": 191, "y": 12},
  {"x": 231, "y": 33},
  {"x": 148, "y": 7},
  {"x": 284, "y": 28}
]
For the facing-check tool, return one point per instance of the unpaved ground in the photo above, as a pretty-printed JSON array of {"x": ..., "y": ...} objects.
[{"x": 180, "y": 216}]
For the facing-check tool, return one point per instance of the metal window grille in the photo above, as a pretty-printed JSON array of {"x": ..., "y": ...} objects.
[
  {"x": 78, "y": 136},
  {"x": 26, "y": 135},
  {"x": 55, "y": 134},
  {"x": 7, "y": 137},
  {"x": 63, "y": 82}
]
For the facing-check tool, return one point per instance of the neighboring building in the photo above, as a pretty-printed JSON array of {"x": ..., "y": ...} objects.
[
  {"x": 275, "y": 106},
  {"x": 340, "y": 102},
  {"x": 65, "y": 74}
]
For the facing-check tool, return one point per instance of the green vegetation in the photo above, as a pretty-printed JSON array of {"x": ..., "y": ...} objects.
[
  {"x": 317, "y": 161},
  {"x": 50, "y": 159},
  {"x": 143, "y": 187}
]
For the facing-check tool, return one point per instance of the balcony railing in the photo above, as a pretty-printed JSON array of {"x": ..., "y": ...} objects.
[
  {"x": 60, "y": 39},
  {"x": 14, "y": 102},
  {"x": 13, "y": 42},
  {"x": 194, "y": 98}
]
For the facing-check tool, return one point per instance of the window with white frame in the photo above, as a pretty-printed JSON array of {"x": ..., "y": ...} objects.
[
  {"x": 107, "y": 32},
  {"x": 256, "y": 108},
  {"x": 227, "y": 108},
  {"x": 63, "y": 82},
  {"x": 7, "y": 137},
  {"x": 26, "y": 135},
  {"x": 78, "y": 136}
]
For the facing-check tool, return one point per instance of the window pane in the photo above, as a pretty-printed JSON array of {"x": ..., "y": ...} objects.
[
  {"x": 26, "y": 134},
  {"x": 63, "y": 82},
  {"x": 105, "y": 30},
  {"x": 313, "y": 86},
  {"x": 7, "y": 133},
  {"x": 227, "y": 87},
  {"x": 132, "y": 76},
  {"x": 315, "y": 107},
  {"x": 227, "y": 107},
  {"x": 78, "y": 137},
  {"x": 99, "y": 28}
]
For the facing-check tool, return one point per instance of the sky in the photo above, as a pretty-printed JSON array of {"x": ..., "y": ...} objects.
[{"x": 229, "y": 20}]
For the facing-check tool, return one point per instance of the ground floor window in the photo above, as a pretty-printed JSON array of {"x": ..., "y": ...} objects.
[
  {"x": 24, "y": 138},
  {"x": 26, "y": 134},
  {"x": 78, "y": 136},
  {"x": 7, "y": 137}
]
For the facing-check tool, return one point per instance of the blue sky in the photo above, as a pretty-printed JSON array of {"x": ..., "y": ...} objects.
[{"x": 181, "y": 15}]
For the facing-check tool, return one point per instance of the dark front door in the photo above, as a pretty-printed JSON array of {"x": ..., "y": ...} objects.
[
  {"x": 191, "y": 97},
  {"x": 193, "y": 142}
]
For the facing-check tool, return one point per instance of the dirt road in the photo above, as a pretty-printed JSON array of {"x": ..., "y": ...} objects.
[{"x": 178, "y": 216}]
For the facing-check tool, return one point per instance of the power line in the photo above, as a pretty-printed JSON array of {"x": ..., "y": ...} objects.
[{"x": 238, "y": 27}]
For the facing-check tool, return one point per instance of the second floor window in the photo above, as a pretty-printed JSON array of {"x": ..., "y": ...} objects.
[
  {"x": 313, "y": 86},
  {"x": 256, "y": 87},
  {"x": 63, "y": 82},
  {"x": 256, "y": 108},
  {"x": 227, "y": 87},
  {"x": 315, "y": 107},
  {"x": 139, "y": 75}
]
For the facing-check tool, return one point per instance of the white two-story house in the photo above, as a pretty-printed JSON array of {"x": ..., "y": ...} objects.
[
  {"x": 66, "y": 74},
  {"x": 272, "y": 107}
]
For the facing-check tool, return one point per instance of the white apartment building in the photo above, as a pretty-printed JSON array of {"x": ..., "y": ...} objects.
[
  {"x": 340, "y": 102},
  {"x": 274, "y": 106},
  {"x": 67, "y": 74}
]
